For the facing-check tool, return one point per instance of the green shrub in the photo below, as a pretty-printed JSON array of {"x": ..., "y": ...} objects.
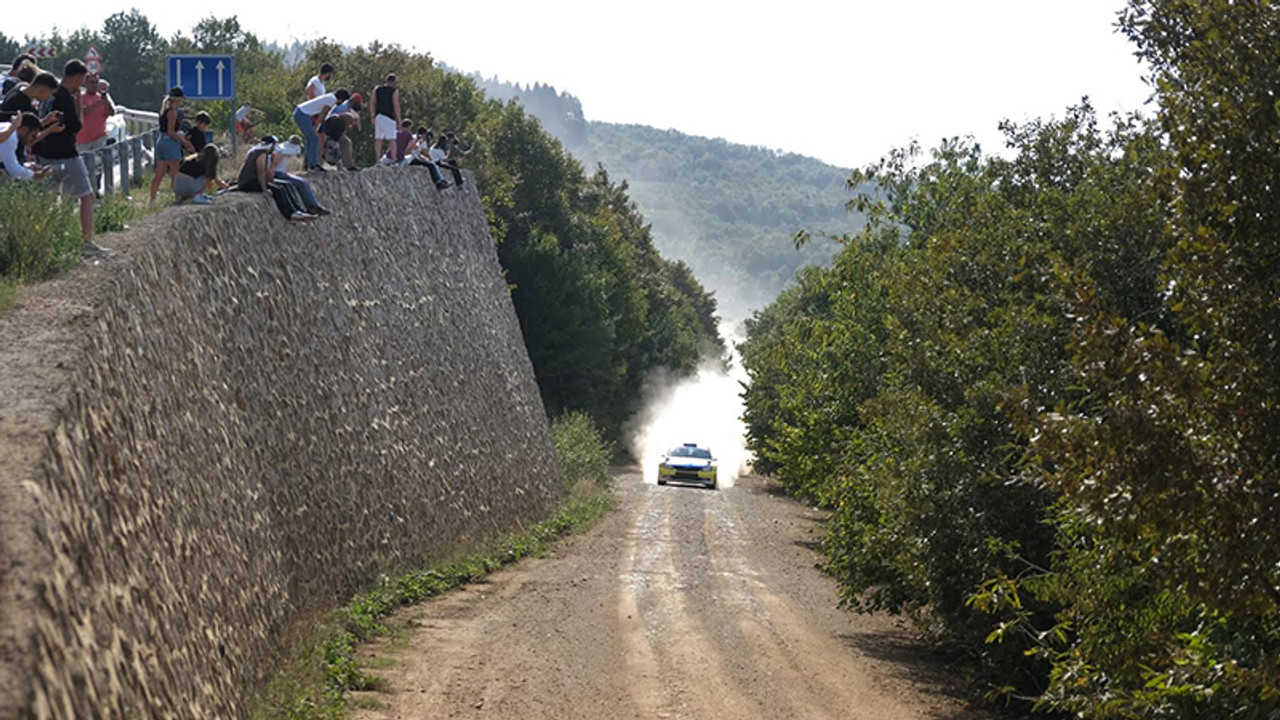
[
  {"x": 582, "y": 452},
  {"x": 39, "y": 236},
  {"x": 112, "y": 214}
]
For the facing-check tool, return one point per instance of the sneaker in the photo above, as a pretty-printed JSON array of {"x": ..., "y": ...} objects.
[
  {"x": 320, "y": 212},
  {"x": 443, "y": 185},
  {"x": 353, "y": 168},
  {"x": 300, "y": 216},
  {"x": 318, "y": 168},
  {"x": 202, "y": 200},
  {"x": 93, "y": 250}
]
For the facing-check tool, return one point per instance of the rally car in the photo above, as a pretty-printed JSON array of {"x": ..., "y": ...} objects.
[{"x": 688, "y": 463}]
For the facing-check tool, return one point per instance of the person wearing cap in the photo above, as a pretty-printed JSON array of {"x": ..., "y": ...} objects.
[
  {"x": 172, "y": 144},
  {"x": 58, "y": 150},
  {"x": 256, "y": 176},
  {"x": 310, "y": 117},
  {"x": 280, "y": 173}
]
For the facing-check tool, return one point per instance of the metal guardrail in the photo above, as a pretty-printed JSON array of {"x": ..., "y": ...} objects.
[
  {"x": 119, "y": 165},
  {"x": 128, "y": 156}
]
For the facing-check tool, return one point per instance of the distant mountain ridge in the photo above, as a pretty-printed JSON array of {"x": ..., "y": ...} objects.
[{"x": 728, "y": 210}]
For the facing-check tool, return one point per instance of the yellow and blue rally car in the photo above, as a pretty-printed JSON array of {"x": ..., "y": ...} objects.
[{"x": 688, "y": 463}]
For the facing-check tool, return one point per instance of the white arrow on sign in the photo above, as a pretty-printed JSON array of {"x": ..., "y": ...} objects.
[
  {"x": 199, "y": 78},
  {"x": 220, "y": 67},
  {"x": 177, "y": 75}
]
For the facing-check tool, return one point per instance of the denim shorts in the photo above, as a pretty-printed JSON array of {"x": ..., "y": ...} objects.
[{"x": 168, "y": 149}]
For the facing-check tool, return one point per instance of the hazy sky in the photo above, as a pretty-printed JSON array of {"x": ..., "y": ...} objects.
[{"x": 844, "y": 82}]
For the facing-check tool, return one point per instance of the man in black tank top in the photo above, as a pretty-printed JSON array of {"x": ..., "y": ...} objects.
[{"x": 385, "y": 112}]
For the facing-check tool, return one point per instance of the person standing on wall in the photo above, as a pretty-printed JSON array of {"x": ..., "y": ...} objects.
[
  {"x": 310, "y": 117},
  {"x": 316, "y": 85},
  {"x": 386, "y": 116},
  {"x": 58, "y": 151}
]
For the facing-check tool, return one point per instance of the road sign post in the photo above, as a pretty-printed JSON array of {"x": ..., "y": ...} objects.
[
  {"x": 206, "y": 77},
  {"x": 93, "y": 60}
]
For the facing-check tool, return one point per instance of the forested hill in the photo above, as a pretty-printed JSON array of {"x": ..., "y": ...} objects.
[{"x": 728, "y": 210}]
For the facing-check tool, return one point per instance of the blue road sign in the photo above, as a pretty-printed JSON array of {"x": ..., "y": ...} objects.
[{"x": 203, "y": 77}]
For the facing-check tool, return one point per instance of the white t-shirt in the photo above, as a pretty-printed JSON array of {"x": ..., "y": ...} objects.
[
  {"x": 316, "y": 106},
  {"x": 9, "y": 157},
  {"x": 315, "y": 83},
  {"x": 436, "y": 154}
]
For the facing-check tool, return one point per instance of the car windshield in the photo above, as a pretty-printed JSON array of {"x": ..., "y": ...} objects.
[{"x": 690, "y": 452}]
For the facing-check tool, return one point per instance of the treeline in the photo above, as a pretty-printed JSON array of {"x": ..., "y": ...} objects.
[
  {"x": 719, "y": 205},
  {"x": 599, "y": 306},
  {"x": 1041, "y": 393}
]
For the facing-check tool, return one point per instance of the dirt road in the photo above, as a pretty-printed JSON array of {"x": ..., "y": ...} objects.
[{"x": 685, "y": 603}]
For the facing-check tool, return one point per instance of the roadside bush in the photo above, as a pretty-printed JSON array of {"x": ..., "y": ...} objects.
[
  {"x": 1064, "y": 458},
  {"x": 39, "y": 235},
  {"x": 582, "y": 452}
]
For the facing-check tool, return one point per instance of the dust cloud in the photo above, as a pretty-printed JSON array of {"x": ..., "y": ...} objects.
[{"x": 705, "y": 408}]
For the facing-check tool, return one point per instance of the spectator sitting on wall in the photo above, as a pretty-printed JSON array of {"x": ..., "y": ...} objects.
[
  {"x": 96, "y": 106},
  {"x": 385, "y": 112},
  {"x": 58, "y": 150},
  {"x": 310, "y": 117},
  {"x": 420, "y": 156},
  {"x": 256, "y": 175},
  {"x": 27, "y": 97},
  {"x": 456, "y": 151},
  {"x": 355, "y": 104},
  {"x": 196, "y": 173},
  {"x": 197, "y": 135},
  {"x": 23, "y": 62},
  {"x": 280, "y": 172},
  {"x": 25, "y": 130},
  {"x": 244, "y": 122},
  {"x": 438, "y": 155},
  {"x": 172, "y": 144},
  {"x": 316, "y": 85}
]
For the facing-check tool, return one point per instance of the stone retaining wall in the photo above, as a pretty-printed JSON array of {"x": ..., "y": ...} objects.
[{"x": 214, "y": 439}]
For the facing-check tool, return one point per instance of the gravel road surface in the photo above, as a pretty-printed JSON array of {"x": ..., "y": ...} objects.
[{"x": 684, "y": 603}]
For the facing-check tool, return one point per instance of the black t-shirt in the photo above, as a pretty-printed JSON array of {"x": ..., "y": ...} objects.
[
  {"x": 62, "y": 146},
  {"x": 382, "y": 97},
  {"x": 15, "y": 101},
  {"x": 196, "y": 136},
  {"x": 335, "y": 127},
  {"x": 192, "y": 168}
]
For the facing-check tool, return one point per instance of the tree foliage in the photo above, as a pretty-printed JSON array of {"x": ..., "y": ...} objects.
[
  {"x": 599, "y": 306},
  {"x": 1039, "y": 392}
]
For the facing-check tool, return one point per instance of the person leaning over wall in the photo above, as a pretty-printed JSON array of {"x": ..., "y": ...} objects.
[
  {"x": 196, "y": 173},
  {"x": 58, "y": 151},
  {"x": 24, "y": 130},
  {"x": 354, "y": 104}
]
